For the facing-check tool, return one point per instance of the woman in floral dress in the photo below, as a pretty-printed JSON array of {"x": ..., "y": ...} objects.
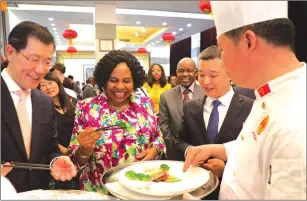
[{"x": 118, "y": 74}]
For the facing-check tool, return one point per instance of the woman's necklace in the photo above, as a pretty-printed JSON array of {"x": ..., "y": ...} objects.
[{"x": 119, "y": 108}]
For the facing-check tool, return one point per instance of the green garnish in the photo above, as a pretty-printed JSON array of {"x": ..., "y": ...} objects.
[
  {"x": 164, "y": 167},
  {"x": 137, "y": 176},
  {"x": 172, "y": 179},
  {"x": 157, "y": 175}
]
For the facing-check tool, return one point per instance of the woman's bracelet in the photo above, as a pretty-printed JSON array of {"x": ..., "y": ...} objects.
[{"x": 78, "y": 152}]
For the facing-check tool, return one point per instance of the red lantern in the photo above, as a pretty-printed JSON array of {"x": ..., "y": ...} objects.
[
  {"x": 141, "y": 51},
  {"x": 205, "y": 6},
  {"x": 168, "y": 38},
  {"x": 71, "y": 49},
  {"x": 70, "y": 34}
]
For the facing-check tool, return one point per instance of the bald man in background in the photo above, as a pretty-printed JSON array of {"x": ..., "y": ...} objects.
[{"x": 171, "y": 104}]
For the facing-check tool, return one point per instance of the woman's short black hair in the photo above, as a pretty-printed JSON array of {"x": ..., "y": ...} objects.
[
  {"x": 151, "y": 79},
  {"x": 107, "y": 63},
  {"x": 63, "y": 97}
]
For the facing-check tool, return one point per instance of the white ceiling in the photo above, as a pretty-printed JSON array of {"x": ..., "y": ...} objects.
[{"x": 63, "y": 19}]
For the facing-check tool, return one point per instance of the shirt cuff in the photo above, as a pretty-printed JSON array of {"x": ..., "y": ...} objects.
[
  {"x": 53, "y": 160},
  {"x": 186, "y": 151}
]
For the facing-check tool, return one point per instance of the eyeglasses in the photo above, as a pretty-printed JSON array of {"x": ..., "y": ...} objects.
[{"x": 34, "y": 60}]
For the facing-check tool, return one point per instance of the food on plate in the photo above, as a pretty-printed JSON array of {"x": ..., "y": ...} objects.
[{"x": 155, "y": 174}]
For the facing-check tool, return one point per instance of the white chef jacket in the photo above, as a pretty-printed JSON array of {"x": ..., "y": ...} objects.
[
  {"x": 8, "y": 192},
  {"x": 270, "y": 163}
]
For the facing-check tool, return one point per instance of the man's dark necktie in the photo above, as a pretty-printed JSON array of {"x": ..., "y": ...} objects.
[
  {"x": 213, "y": 123},
  {"x": 186, "y": 95}
]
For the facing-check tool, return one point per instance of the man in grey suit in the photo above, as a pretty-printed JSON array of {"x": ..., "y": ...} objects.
[
  {"x": 215, "y": 118},
  {"x": 88, "y": 90},
  {"x": 171, "y": 104}
]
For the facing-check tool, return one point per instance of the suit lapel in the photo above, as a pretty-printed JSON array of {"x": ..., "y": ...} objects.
[
  {"x": 10, "y": 118},
  {"x": 199, "y": 114},
  {"x": 235, "y": 108},
  {"x": 197, "y": 91},
  {"x": 36, "y": 116},
  {"x": 178, "y": 99}
]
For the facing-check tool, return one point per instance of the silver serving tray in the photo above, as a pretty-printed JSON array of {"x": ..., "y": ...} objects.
[{"x": 111, "y": 176}]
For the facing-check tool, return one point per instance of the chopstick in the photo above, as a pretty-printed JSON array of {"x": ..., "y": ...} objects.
[
  {"x": 113, "y": 127},
  {"x": 26, "y": 165}
]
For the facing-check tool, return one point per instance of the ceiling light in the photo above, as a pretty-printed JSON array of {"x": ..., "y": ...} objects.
[
  {"x": 54, "y": 8},
  {"x": 161, "y": 39},
  {"x": 54, "y": 29},
  {"x": 50, "y": 19},
  {"x": 52, "y": 24},
  {"x": 174, "y": 33},
  {"x": 55, "y": 32},
  {"x": 180, "y": 29},
  {"x": 127, "y": 11},
  {"x": 189, "y": 25},
  {"x": 136, "y": 34},
  {"x": 143, "y": 29},
  {"x": 157, "y": 41},
  {"x": 138, "y": 22},
  {"x": 164, "y": 23}
]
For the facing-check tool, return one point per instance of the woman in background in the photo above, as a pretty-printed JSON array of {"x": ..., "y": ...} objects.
[
  {"x": 65, "y": 111},
  {"x": 172, "y": 80},
  {"x": 156, "y": 84}
]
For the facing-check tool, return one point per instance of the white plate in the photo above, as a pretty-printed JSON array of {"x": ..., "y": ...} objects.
[
  {"x": 132, "y": 195},
  {"x": 194, "y": 178}
]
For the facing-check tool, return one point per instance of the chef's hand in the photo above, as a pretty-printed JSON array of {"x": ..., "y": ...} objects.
[
  {"x": 216, "y": 166},
  {"x": 148, "y": 154},
  {"x": 63, "y": 169},
  {"x": 5, "y": 170},
  {"x": 188, "y": 196},
  {"x": 87, "y": 140},
  {"x": 196, "y": 155}
]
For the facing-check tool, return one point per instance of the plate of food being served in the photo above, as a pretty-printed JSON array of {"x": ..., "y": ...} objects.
[{"x": 162, "y": 178}]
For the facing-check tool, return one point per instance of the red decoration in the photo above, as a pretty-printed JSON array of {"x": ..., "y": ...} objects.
[
  {"x": 264, "y": 90},
  {"x": 168, "y": 38},
  {"x": 71, "y": 49},
  {"x": 141, "y": 51},
  {"x": 70, "y": 34},
  {"x": 3, "y": 6},
  {"x": 205, "y": 6}
]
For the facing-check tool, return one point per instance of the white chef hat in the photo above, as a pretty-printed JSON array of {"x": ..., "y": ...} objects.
[{"x": 229, "y": 15}]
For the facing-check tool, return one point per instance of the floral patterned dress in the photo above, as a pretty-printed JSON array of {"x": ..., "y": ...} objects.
[{"x": 115, "y": 147}]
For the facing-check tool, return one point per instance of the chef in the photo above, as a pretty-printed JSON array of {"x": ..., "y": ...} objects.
[
  {"x": 268, "y": 159},
  {"x": 8, "y": 192}
]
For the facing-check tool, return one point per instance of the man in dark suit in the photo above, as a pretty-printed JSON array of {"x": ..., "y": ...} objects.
[
  {"x": 215, "y": 118},
  {"x": 28, "y": 124},
  {"x": 171, "y": 104},
  {"x": 88, "y": 90},
  {"x": 245, "y": 92}
]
